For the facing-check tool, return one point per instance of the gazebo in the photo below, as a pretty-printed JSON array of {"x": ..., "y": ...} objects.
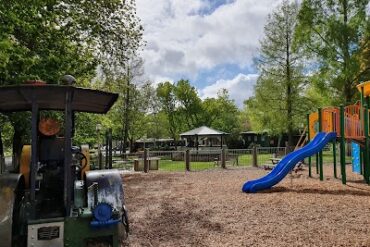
[{"x": 204, "y": 137}]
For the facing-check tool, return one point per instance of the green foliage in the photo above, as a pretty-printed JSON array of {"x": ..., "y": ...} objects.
[
  {"x": 279, "y": 105},
  {"x": 167, "y": 103},
  {"x": 221, "y": 113},
  {"x": 44, "y": 40},
  {"x": 331, "y": 33},
  {"x": 184, "y": 109},
  {"x": 190, "y": 103}
]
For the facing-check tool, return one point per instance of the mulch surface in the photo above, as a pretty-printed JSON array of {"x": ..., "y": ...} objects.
[{"x": 208, "y": 209}]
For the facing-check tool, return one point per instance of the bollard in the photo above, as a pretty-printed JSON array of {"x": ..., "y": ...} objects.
[
  {"x": 146, "y": 163},
  {"x": 255, "y": 164},
  {"x": 223, "y": 158},
  {"x": 187, "y": 160}
]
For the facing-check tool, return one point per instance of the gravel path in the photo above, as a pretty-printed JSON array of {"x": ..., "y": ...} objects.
[{"x": 208, "y": 209}]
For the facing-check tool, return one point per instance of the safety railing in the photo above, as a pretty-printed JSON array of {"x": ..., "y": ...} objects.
[
  {"x": 331, "y": 120},
  {"x": 353, "y": 122}
]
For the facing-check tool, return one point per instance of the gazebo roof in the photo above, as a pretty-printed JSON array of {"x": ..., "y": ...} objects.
[{"x": 203, "y": 131}]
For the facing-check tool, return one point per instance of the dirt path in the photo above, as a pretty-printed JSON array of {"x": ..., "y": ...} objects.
[{"x": 208, "y": 209}]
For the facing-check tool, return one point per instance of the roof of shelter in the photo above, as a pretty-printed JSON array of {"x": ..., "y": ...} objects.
[
  {"x": 52, "y": 97},
  {"x": 203, "y": 131}
]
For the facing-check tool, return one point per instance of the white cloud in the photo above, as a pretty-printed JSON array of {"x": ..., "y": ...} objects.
[
  {"x": 240, "y": 88},
  {"x": 181, "y": 40}
]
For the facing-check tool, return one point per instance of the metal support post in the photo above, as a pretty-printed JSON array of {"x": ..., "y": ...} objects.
[
  {"x": 366, "y": 149},
  {"x": 342, "y": 147},
  {"x": 320, "y": 153},
  {"x": 309, "y": 137}
]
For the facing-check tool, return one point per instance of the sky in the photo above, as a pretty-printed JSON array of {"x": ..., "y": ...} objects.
[{"x": 212, "y": 43}]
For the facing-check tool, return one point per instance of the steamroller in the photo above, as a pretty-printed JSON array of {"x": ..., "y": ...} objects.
[{"x": 52, "y": 197}]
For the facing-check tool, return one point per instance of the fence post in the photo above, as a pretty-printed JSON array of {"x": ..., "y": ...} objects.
[
  {"x": 223, "y": 158},
  {"x": 255, "y": 164},
  {"x": 146, "y": 163},
  {"x": 187, "y": 160}
]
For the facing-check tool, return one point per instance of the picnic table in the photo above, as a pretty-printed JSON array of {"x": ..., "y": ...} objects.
[{"x": 153, "y": 163}]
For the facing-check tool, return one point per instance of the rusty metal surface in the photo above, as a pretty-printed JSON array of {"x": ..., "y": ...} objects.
[
  {"x": 110, "y": 188},
  {"x": 8, "y": 184}
]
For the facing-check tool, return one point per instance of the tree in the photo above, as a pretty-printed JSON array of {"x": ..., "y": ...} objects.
[
  {"x": 168, "y": 101},
  {"x": 47, "y": 39},
  {"x": 221, "y": 113},
  {"x": 189, "y": 103},
  {"x": 331, "y": 32},
  {"x": 277, "y": 104}
]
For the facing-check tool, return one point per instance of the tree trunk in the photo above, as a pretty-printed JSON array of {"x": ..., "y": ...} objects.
[
  {"x": 126, "y": 113},
  {"x": 348, "y": 90},
  {"x": 289, "y": 93}
]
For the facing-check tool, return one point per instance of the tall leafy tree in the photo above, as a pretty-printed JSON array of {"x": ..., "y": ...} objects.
[
  {"x": 189, "y": 103},
  {"x": 168, "y": 101},
  {"x": 221, "y": 113},
  {"x": 331, "y": 32},
  {"x": 46, "y": 39},
  {"x": 277, "y": 105}
]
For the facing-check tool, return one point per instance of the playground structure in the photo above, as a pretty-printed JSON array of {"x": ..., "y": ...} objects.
[{"x": 330, "y": 124}]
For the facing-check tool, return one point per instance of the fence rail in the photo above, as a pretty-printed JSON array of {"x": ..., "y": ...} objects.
[{"x": 194, "y": 160}]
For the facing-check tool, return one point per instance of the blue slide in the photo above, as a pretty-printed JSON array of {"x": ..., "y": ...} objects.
[{"x": 288, "y": 163}]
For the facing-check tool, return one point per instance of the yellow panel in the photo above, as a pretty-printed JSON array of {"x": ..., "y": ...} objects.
[
  {"x": 314, "y": 124},
  {"x": 366, "y": 87},
  {"x": 25, "y": 164},
  {"x": 85, "y": 150}
]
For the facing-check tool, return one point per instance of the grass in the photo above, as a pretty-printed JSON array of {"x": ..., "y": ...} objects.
[
  {"x": 169, "y": 165},
  {"x": 166, "y": 164}
]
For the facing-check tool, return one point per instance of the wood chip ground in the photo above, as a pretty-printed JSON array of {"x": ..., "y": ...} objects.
[{"x": 208, "y": 209}]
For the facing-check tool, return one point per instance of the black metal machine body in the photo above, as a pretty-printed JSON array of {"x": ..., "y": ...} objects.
[{"x": 55, "y": 193}]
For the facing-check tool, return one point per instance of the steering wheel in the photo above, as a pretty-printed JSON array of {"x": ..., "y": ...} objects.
[{"x": 80, "y": 157}]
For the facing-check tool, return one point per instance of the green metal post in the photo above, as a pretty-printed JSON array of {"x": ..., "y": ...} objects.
[
  {"x": 335, "y": 159},
  {"x": 362, "y": 102},
  {"x": 309, "y": 137},
  {"x": 320, "y": 153},
  {"x": 362, "y": 161},
  {"x": 366, "y": 149},
  {"x": 342, "y": 146},
  {"x": 317, "y": 163},
  {"x": 334, "y": 146}
]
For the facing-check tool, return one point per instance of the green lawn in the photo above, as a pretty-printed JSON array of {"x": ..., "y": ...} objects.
[
  {"x": 242, "y": 160},
  {"x": 169, "y": 165}
]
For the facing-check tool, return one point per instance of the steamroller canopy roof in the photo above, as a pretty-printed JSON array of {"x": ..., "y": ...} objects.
[{"x": 52, "y": 97}]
